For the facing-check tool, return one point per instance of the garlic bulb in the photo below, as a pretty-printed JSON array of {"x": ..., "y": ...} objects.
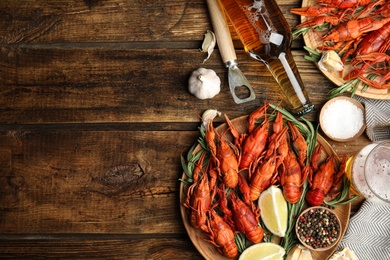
[
  {"x": 204, "y": 83},
  {"x": 331, "y": 61},
  {"x": 208, "y": 117},
  {"x": 208, "y": 45}
]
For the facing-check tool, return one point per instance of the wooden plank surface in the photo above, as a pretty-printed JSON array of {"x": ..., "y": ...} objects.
[
  {"x": 102, "y": 21},
  {"x": 89, "y": 85},
  {"x": 94, "y": 115}
]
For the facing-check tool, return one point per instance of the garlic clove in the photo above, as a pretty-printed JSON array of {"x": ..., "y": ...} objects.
[
  {"x": 204, "y": 83},
  {"x": 208, "y": 45},
  {"x": 299, "y": 252},
  {"x": 331, "y": 61},
  {"x": 345, "y": 254},
  {"x": 208, "y": 116},
  {"x": 305, "y": 254},
  {"x": 293, "y": 254}
]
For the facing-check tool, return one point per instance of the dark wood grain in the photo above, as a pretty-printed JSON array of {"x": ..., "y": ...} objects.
[
  {"x": 93, "y": 85},
  {"x": 103, "y": 21},
  {"x": 95, "y": 114},
  {"x": 98, "y": 247}
]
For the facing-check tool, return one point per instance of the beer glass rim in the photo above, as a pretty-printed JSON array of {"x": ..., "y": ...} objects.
[{"x": 367, "y": 171}]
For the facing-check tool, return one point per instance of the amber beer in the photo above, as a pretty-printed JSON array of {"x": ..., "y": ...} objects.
[{"x": 267, "y": 37}]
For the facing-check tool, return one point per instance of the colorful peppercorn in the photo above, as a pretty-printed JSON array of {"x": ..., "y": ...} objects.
[{"x": 318, "y": 228}]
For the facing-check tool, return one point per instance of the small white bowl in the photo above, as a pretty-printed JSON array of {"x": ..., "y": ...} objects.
[{"x": 325, "y": 114}]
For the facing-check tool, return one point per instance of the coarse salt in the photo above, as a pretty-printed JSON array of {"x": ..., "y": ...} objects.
[{"x": 342, "y": 119}]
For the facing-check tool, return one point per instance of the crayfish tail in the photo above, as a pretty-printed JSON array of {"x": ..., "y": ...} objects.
[
  {"x": 315, "y": 197},
  {"x": 255, "y": 235}
]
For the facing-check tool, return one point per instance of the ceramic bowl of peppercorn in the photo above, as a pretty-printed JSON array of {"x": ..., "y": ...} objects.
[{"x": 318, "y": 228}]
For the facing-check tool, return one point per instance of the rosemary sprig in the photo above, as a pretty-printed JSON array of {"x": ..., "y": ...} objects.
[
  {"x": 314, "y": 56},
  {"x": 303, "y": 30},
  {"x": 290, "y": 239},
  {"x": 202, "y": 139},
  {"x": 300, "y": 31},
  {"x": 188, "y": 162},
  {"x": 241, "y": 242},
  {"x": 349, "y": 86}
]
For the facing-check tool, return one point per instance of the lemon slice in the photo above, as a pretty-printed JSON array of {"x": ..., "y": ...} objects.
[
  {"x": 273, "y": 210},
  {"x": 263, "y": 251}
]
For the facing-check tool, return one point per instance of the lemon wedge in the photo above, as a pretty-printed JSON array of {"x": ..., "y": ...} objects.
[
  {"x": 263, "y": 251},
  {"x": 273, "y": 210}
]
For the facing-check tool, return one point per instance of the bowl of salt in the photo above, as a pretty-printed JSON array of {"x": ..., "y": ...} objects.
[{"x": 342, "y": 119}]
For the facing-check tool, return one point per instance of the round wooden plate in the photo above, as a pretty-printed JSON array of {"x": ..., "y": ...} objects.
[
  {"x": 312, "y": 40},
  {"x": 207, "y": 250}
]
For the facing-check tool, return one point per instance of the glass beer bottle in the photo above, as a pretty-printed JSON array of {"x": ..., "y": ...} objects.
[{"x": 267, "y": 37}]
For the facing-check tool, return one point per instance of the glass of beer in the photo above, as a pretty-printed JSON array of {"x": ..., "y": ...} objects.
[
  {"x": 377, "y": 171},
  {"x": 267, "y": 37}
]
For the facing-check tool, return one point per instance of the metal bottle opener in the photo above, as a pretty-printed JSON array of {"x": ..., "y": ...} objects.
[{"x": 228, "y": 54}]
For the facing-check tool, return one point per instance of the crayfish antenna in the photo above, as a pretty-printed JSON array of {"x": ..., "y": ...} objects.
[{"x": 256, "y": 115}]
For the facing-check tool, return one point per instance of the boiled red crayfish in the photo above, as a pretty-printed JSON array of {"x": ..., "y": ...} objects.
[
  {"x": 225, "y": 158},
  {"x": 246, "y": 220},
  {"x": 198, "y": 200},
  {"x": 375, "y": 64},
  {"x": 223, "y": 205},
  {"x": 376, "y": 41},
  {"x": 320, "y": 183},
  {"x": 221, "y": 235},
  {"x": 228, "y": 164},
  {"x": 299, "y": 142},
  {"x": 279, "y": 136},
  {"x": 292, "y": 178},
  {"x": 323, "y": 180},
  {"x": 255, "y": 142},
  {"x": 352, "y": 30},
  {"x": 244, "y": 189},
  {"x": 264, "y": 176}
]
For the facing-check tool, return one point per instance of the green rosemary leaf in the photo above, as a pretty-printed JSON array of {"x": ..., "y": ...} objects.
[
  {"x": 316, "y": 56},
  {"x": 300, "y": 31},
  {"x": 190, "y": 152},
  {"x": 202, "y": 139},
  {"x": 348, "y": 86},
  {"x": 294, "y": 210},
  {"x": 310, "y": 58},
  {"x": 241, "y": 241},
  {"x": 202, "y": 142},
  {"x": 187, "y": 181},
  {"x": 312, "y": 138},
  {"x": 345, "y": 201},
  {"x": 197, "y": 155}
]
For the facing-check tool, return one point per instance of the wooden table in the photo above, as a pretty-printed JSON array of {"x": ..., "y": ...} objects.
[{"x": 95, "y": 114}]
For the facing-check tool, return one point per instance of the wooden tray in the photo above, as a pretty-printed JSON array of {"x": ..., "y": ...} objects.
[
  {"x": 312, "y": 40},
  {"x": 207, "y": 250}
]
